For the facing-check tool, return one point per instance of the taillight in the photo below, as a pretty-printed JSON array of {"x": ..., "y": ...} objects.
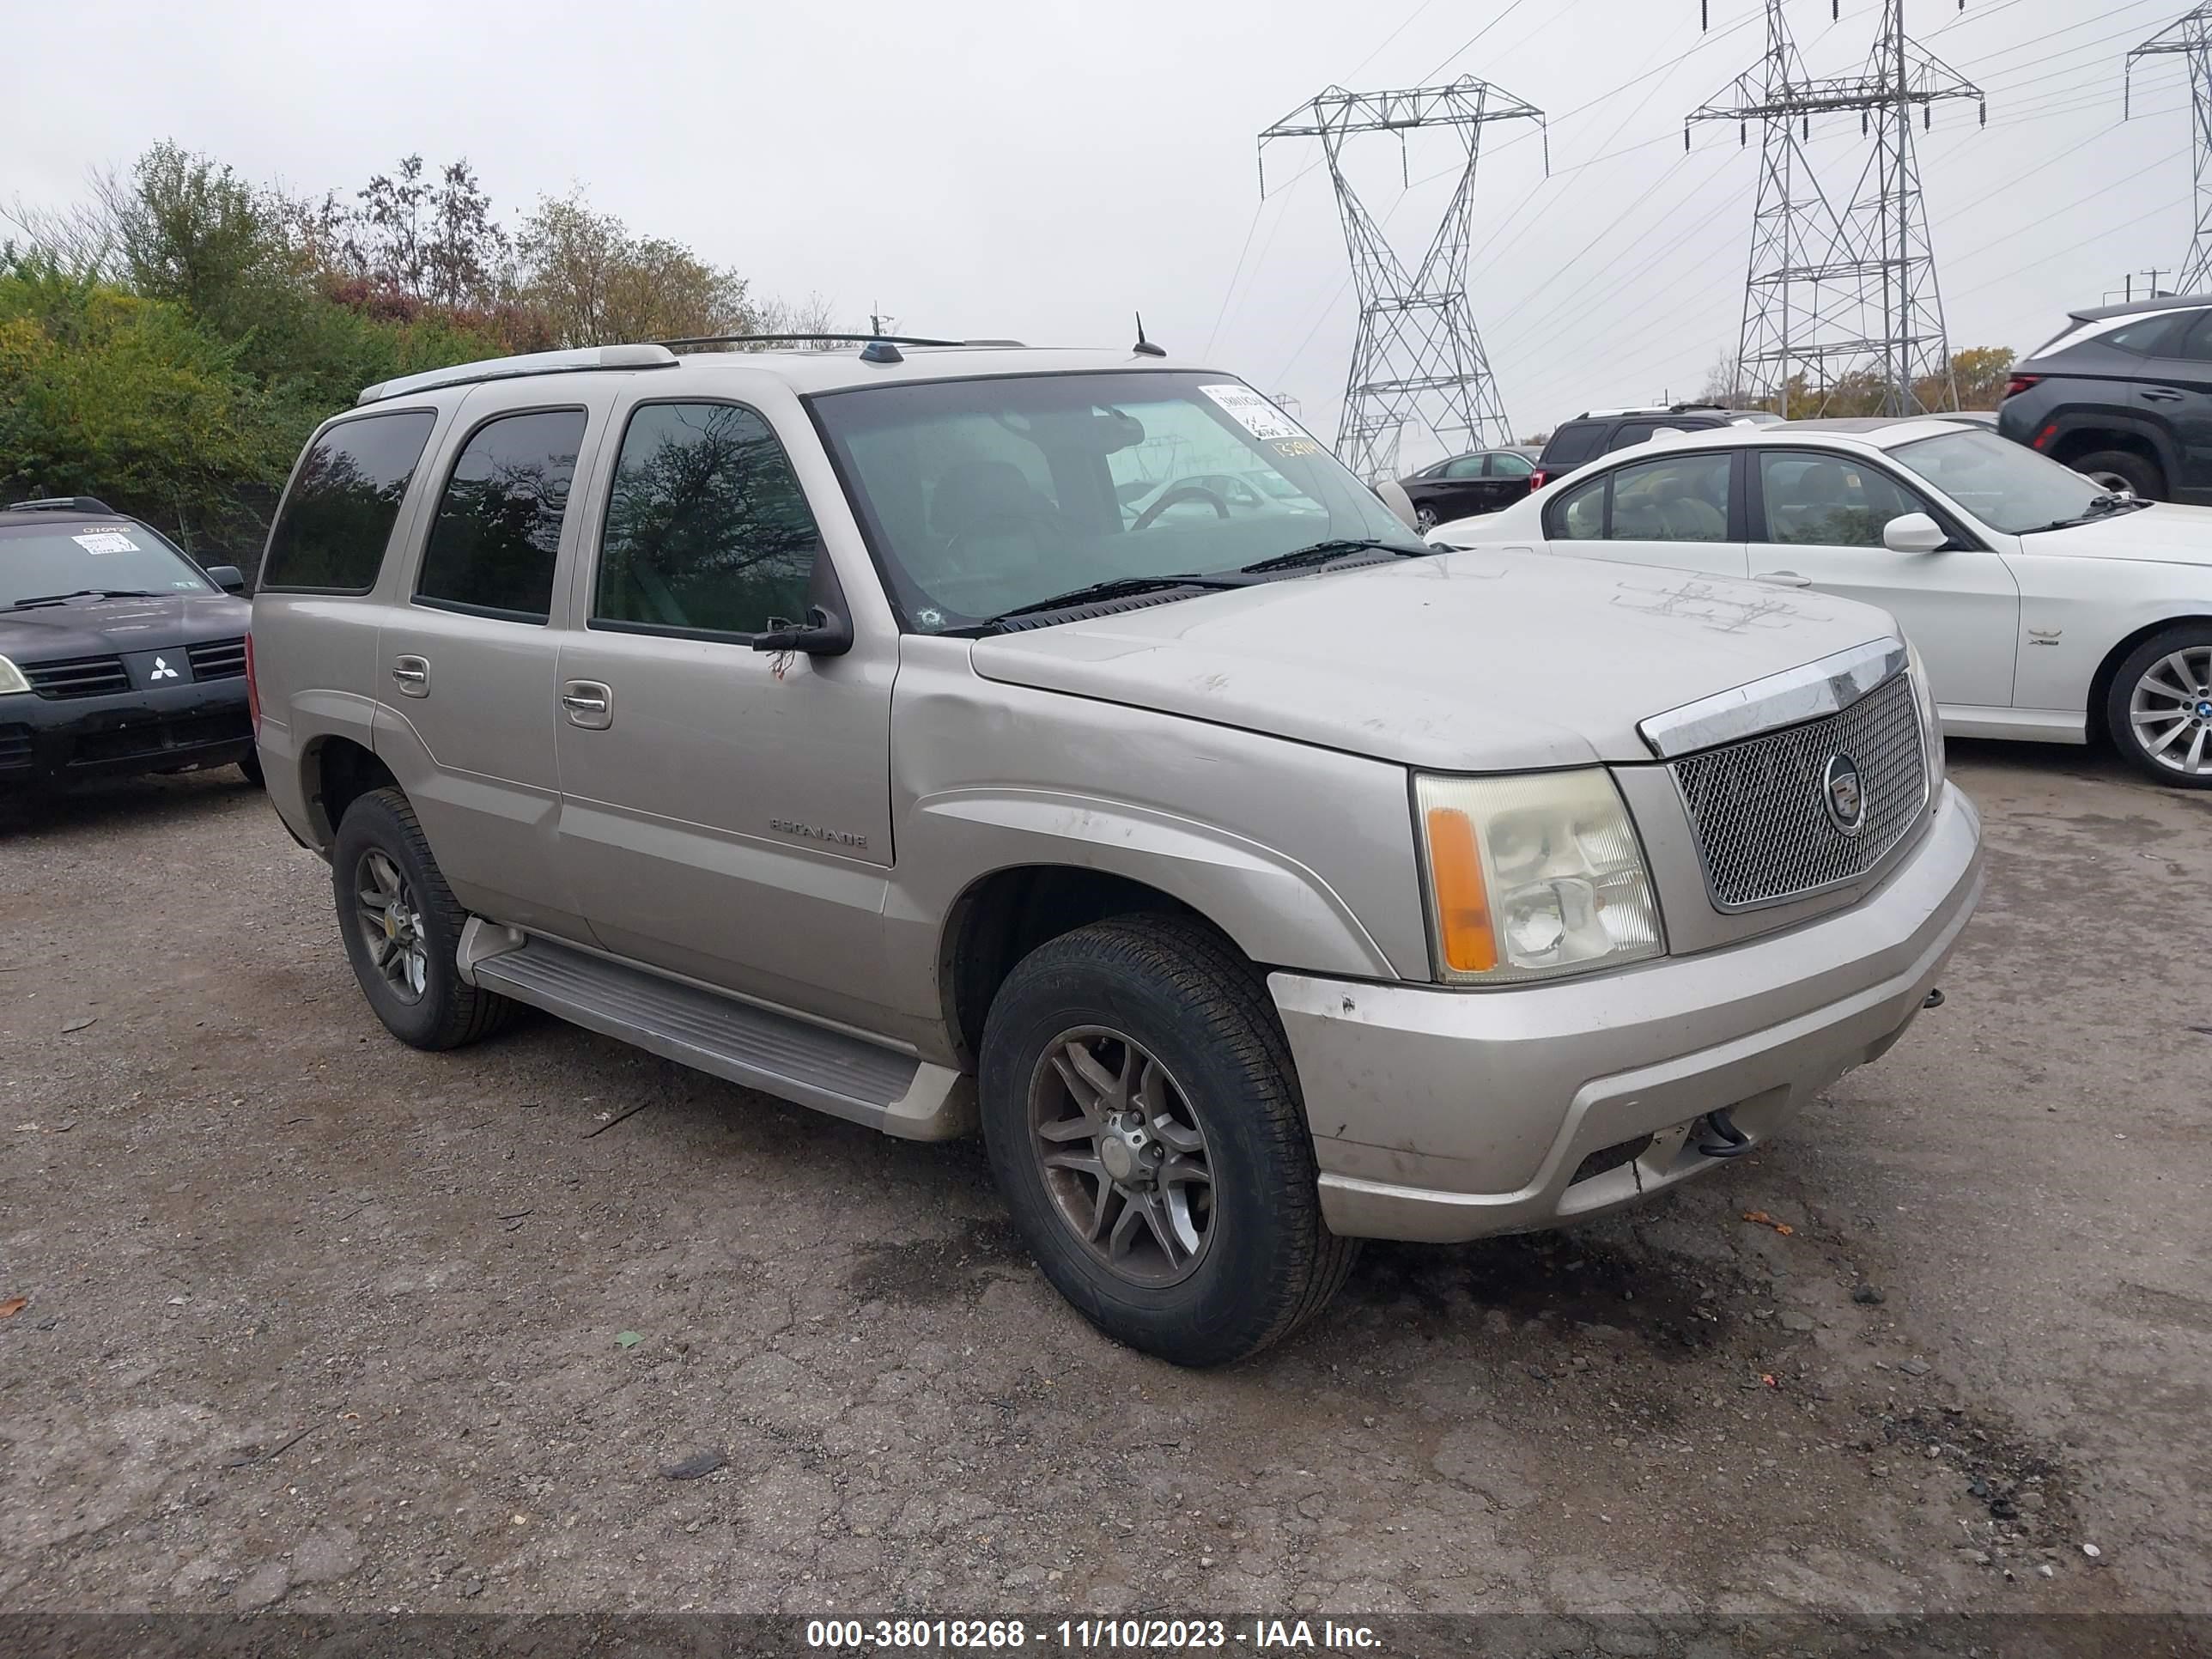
[
  {"x": 1536, "y": 480},
  {"x": 2043, "y": 438},
  {"x": 2019, "y": 383},
  {"x": 252, "y": 687}
]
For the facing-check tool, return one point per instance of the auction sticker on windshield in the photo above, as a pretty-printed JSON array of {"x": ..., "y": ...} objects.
[
  {"x": 1253, "y": 412},
  {"x": 106, "y": 541}
]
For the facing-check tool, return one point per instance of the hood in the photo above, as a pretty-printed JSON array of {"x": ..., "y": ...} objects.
[
  {"x": 1460, "y": 662},
  {"x": 2161, "y": 533},
  {"x": 102, "y": 627}
]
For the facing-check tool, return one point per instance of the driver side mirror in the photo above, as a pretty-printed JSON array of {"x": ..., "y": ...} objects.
[
  {"x": 1915, "y": 532},
  {"x": 826, "y": 633},
  {"x": 1395, "y": 498},
  {"x": 227, "y": 577}
]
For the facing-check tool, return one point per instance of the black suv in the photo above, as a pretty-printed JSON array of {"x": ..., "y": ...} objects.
[
  {"x": 2123, "y": 394},
  {"x": 118, "y": 654},
  {"x": 1601, "y": 431}
]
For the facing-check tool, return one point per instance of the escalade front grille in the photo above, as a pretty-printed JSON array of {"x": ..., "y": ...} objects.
[
  {"x": 218, "y": 659},
  {"x": 81, "y": 677},
  {"x": 1762, "y": 806}
]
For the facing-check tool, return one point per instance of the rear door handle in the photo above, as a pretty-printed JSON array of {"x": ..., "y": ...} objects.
[
  {"x": 1783, "y": 578},
  {"x": 2161, "y": 394},
  {"x": 589, "y": 704},
  {"x": 412, "y": 675}
]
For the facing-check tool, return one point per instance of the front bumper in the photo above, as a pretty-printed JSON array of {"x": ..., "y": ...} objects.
[
  {"x": 45, "y": 741},
  {"x": 1444, "y": 1116}
]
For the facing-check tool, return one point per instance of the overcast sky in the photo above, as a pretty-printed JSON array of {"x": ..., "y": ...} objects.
[{"x": 1041, "y": 168}]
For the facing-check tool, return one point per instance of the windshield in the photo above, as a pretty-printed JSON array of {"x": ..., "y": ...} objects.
[
  {"x": 2006, "y": 485},
  {"x": 982, "y": 496},
  {"x": 41, "y": 562}
]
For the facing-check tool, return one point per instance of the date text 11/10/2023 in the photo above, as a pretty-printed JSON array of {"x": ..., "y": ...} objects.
[{"x": 1086, "y": 1635}]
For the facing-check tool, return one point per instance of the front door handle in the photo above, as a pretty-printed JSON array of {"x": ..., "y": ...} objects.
[
  {"x": 412, "y": 675},
  {"x": 589, "y": 704},
  {"x": 1783, "y": 578},
  {"x": 2161, "y": 394}
]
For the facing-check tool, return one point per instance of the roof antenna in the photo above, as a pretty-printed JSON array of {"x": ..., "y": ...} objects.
[{"x": 1145, "y": 348}]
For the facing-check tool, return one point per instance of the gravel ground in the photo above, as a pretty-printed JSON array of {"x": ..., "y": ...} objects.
[{"x": 316, "y": 1320}]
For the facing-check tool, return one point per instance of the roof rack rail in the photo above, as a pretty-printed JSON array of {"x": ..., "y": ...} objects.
[
  {"x": 59, "y": 504},
  {"x": 825, "y": 339},
  {"x": 532, "y": 362}
]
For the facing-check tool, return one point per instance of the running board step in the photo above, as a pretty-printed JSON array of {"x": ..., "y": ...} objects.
[{"x": 810, "y": 1065}]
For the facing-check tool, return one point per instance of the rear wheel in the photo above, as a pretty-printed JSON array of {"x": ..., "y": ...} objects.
[
  {"x": 1424, "y": 519},
  {"x": 402, "y": 928},
  {"x": 2159, "y": 709},
  {"x": 2120, "y": 469},
  {"x": 1147, "y": 1132}
]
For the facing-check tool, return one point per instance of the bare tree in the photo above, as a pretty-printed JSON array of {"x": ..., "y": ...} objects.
[{"x": 85, "y": 237}]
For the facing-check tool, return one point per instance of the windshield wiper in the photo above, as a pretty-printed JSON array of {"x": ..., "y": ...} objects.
[
  {"x": 1120, "y": 587},
  {"x": 83, "y": 593},
  {"x": 2102, "y": 507},
  {"x": 1334, "y": 548}
]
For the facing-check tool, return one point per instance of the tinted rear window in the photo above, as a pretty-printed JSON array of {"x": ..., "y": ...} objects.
[
  {"x": 1573, "y": 444},
  {"x": 330, "y": 533},
  {"x": 498, "y": 530}
]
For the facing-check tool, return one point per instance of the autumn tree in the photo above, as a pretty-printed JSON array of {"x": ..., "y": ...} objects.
[{"x": 595, "y": 283}]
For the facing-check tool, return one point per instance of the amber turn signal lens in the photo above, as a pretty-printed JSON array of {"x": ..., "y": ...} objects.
[{"x": 1463, "y": 902}]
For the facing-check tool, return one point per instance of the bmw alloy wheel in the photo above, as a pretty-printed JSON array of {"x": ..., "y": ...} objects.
[{"x": 2170, "y": 710}]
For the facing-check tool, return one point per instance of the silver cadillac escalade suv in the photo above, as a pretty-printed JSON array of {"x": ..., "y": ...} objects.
[{"x": 1063, "y": 743}]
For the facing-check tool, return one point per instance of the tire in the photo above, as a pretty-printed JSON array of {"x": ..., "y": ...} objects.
[
  {"x": 1424, "y": 519},
  {"x": 251, "y": 765},
  {"x": 2145, "y": 477},
  {"x": 2150, "y": 682},
  {"x": 442, "y": 1012},
  {"x": 1174, "y": 992}
]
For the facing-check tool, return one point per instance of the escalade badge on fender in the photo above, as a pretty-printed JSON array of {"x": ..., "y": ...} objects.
[{"x": 1844, "y": 794}]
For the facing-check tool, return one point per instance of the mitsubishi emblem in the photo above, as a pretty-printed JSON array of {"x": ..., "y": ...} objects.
[{"x": 163, "y": 672}]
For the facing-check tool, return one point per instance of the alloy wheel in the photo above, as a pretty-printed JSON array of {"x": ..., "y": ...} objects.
[
  {"x": 2170, "y": 710},
  {"x": 391, "y": 926},
  {"x": 1123, "y": 1156}
]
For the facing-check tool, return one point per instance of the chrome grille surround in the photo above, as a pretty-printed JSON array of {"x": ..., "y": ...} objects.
[{"x": 1760, "y": 806}]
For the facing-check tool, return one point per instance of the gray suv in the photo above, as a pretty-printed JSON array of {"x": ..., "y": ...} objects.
[{"x": 871, "y": 729}]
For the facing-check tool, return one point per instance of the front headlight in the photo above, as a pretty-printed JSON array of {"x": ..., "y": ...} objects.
[
  {"x": 11, "y": 678},
  {"x": 1931, "y": 718},
  {"x": 1532, "y": 877}
]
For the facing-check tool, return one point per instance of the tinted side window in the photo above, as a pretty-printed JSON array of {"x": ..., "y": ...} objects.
[
  {"x": 336, "y": 517},
  {"x": 498, "y": 530},
  {"x": 707, "y": 528},
  {"x": 2196, "y": 345},
  {"x": 1467, "y": 466},
  {"x": 2150, "y": 337},
  {"x": 1632, "y": 432},
  {"x": 1506, "y": 465},
  {"x": 1579, "y": 515},
  {"x": 1829, "y": 500},
  {"x": 1573, "y": 444},
  {"x": 1681, "y": 499}
]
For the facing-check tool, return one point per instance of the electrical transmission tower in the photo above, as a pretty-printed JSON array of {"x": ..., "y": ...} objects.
[
  {"x": 1841, "y": 287},
  {"x": 1418, "y": 358},
  {"x": 2190, "y": 37}
]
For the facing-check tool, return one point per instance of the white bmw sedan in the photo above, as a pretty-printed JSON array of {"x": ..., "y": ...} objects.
[{"x": 2046, "y": 607}]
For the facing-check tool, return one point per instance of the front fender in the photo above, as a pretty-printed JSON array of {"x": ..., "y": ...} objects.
[{"x": 1276, "y": 908}]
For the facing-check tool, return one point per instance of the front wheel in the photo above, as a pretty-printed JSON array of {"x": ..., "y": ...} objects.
[
  {"x": 1424, "y": 519},
  {"x": 2158, "y": 710},
  {"x": 1147, "y": 1132}
]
